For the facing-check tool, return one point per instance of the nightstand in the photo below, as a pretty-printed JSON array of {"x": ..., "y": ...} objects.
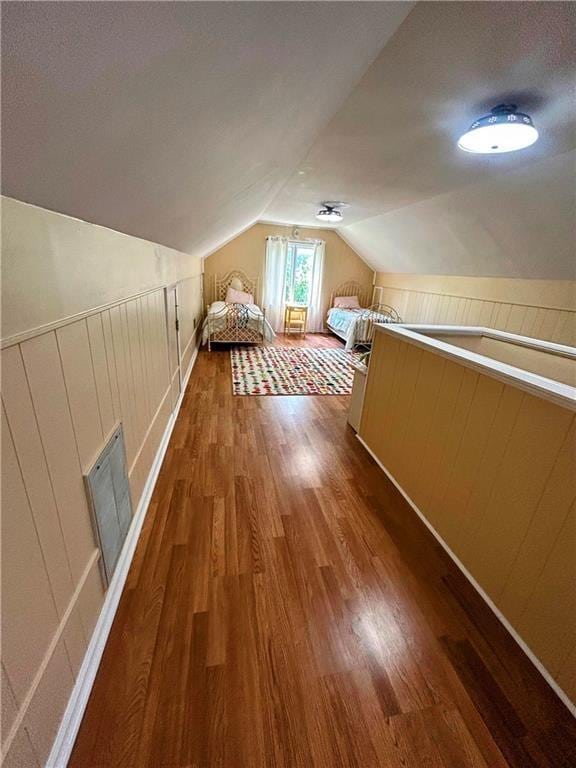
[{"x": 295, "y": 318}]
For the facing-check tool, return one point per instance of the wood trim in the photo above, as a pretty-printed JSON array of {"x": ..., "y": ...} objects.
[
  {"x": 51, "y": 648},
  {"x": 467, "y": 297},
  {"x": 500, "y": 616},
  {"x": 493, "y": 333},
  {"x": 554, "y": 391},
  {"x": 17, "y": 338},
  {"x": 150, "y": 428}
]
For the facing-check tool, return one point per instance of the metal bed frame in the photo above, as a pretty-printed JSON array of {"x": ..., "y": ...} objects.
[
  {"x": 371, "y": 314},
  {"x": 235, "y": 323}
]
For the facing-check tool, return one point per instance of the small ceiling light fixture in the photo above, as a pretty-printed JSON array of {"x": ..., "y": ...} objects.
[
  {"x": 330, "y": 212},
  {"x": 503, "y": 130}
]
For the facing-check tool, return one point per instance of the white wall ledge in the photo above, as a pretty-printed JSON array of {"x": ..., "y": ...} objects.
[{"x": 534, "y": 384}]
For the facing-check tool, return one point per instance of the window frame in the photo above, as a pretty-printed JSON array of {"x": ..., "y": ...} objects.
[{"x": 291, "y": 256}]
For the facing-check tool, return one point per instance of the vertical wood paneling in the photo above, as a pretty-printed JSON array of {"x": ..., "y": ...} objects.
[
  {"x": 550, "y": 515},
  {"x": 9, "y": 706},
  {"x": 438, "y": 447},
  {"x": 74, "y": 636},
  {"x": 80, "y": 384},
  {"x": 101, "y": 373},
  {"x": 539, "y": 431},
  {"x": 420, "y": 307},
  {"x": 465, "y": 466},
  {"x": 567, "y": 674},
  {"x": 147, "y": 354},
  {"x": 63, "y": 392},
  {"x": 21, "y": 753},
  {"x": 516, "y": 318},
  {"x": 124, "y": 383},
  {"x": 489, "y": 464},
  {"x": 419, "y": 420},
  {"x": 160, "y": 315},
  {"x": 29, "y": 617},
  {"x": 28, "y": 445},
  {"x": 158, "y": 374},
  {"x": 492, "y": 468},
  {"x": 90, "y": 599},
  {"x": 549, "y": 619},
  {"x": 111, "y": 363},
  {"x": 135, "y": 366},
  {"x": 49, "y": 701},
  {"x": 142, "y": 343},
  {"x": 42, "y": 363},
  {"x": 454, "y": 435}
]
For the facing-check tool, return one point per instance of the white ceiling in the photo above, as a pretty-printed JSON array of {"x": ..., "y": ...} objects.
[
  {"x": 515, "y": 224},
  {"x": 183, "y": 123},
  {"x": 393, "y": 142},
  {"x": 176, "y": 122}
]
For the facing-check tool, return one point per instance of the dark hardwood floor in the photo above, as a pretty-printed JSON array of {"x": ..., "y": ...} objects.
[{"x": 286, "y": 607}]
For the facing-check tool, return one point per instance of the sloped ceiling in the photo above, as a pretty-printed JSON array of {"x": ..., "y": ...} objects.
[
  {"x": 174, "y": 121},
  {"x": 418, "y": 203},
  {"x": 183, "y": 123}
]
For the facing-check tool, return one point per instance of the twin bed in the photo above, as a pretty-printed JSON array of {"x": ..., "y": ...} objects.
[
  {"x": 235, "y": 317},
  {"x": 229, "y": 321},
  {"x": 351, "y": 316}
]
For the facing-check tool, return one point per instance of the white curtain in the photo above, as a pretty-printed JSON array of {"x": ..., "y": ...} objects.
[
  {"x": 315, "y": 309},
  {"x": 274, "y": 281},
  {"x": 275, "y": 285}
]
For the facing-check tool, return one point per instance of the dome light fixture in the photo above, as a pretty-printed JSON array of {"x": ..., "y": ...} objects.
[
  {"x": 330, "y": 213},
  {"x": 503, "y": 130}
]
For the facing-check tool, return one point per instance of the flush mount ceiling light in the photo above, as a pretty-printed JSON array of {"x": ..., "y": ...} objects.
[
  {"x": 330, "y": 212},
  {"x": 503, "y": 130}
]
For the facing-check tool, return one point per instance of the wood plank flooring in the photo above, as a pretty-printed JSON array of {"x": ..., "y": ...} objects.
[{"x": 286, "y": 607}]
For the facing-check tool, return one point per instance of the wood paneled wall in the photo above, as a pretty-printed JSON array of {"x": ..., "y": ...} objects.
[
  {"x": 492, "y": 469},
  {"x": 63, "y": 392},
  {"x": 528, "y": 316}
]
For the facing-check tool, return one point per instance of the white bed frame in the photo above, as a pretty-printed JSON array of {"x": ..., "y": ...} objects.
[
  {"x": 372, "y": 312},
  {"x": 234, "y": 326}
]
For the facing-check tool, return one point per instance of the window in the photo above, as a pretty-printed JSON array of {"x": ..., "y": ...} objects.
[{"x": 299, "y": 267}]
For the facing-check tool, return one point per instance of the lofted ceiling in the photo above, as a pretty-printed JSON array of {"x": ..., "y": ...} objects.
[
  {"x": 184, "y": 123},
  {"x": 177, "y": 122},
  {"x": 392, "y": 146}
]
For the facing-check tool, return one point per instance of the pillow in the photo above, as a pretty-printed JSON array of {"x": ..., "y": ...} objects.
[
  {"x": 236, "y": 283},
  {"x": 238, "y": 297},
  {"x": 346, "y": 302}
]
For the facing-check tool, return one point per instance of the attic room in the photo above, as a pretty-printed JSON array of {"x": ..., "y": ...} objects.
[{"x": 288, "y": 384}]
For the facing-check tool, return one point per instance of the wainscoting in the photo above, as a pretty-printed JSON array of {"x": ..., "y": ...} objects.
[
  {"x": 490, "y": 468},
  {"x": 64, "y": 391},
  {"x": 553, "y": 323}
]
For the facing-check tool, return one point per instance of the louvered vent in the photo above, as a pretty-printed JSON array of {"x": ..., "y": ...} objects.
[{"x": 109, "y": 496}]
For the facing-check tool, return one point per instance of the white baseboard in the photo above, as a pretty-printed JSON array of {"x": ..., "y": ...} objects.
[
  {"x": 70, "y": 724},
  {"x": 534, "y": 659}
]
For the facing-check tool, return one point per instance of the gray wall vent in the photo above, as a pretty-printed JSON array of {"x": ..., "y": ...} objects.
[{"x": 109, "y": 496}]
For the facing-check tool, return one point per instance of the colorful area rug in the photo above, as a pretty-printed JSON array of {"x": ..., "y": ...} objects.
[{"x": 291, "y": 371}]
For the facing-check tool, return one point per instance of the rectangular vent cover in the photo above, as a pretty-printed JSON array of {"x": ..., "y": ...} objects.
[{"x": 109, "y": 496}]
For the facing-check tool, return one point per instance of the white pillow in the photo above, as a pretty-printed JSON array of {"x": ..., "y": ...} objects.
[
  {"x": 238, "y": 297},
  {"x": 236, "y": 283},
  {"x": 346, "y": 302}
]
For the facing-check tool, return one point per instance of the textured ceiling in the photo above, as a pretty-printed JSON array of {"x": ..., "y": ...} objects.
[
  {"x": 393, "y": 142},
  {"x": 183, "y": 123},
  {"x": 176, "y": 122}
]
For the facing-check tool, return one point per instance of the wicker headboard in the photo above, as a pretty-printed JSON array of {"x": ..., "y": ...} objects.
[
  {"x": 249, "y": 285},
  {"x": 352, "y": 288}
]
